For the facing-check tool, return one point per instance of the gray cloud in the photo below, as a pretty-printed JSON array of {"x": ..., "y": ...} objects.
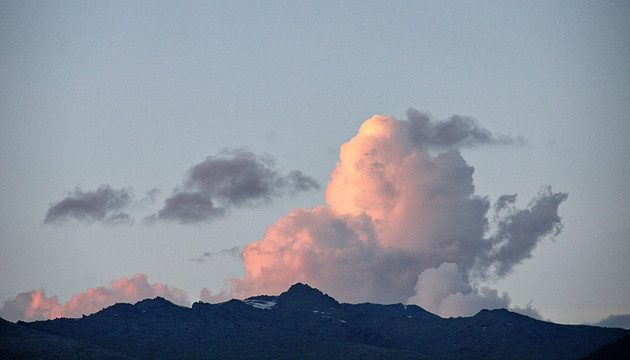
[
  {"x": 103, "y": 204},
  {"x": 457, "y": 131},
  {"x": 233, "y": 178},
  {"x": 119, "y": 219},
  {"x": 232, "y": 252},
  {"x": 503, "y": 201},
  {"x": 189, "y": 207},
  {"x": 301, "y": 182},
  {"x": 151, "y": 195},
  {"x": 446, "y": 293},
  {"x": 519, "y": 231},
  {"x": 616, "y": 321}
]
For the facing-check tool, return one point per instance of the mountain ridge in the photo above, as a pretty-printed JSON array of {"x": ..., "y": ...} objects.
[{"x": 305, "y": 323}]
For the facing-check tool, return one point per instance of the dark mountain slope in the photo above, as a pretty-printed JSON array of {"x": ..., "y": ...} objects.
[
  {"x": 304, "y": 323},
  {"x": 20, "y": 342},
  {"x": 490, "y": 332},
  {"x": 618, "y": 350}
]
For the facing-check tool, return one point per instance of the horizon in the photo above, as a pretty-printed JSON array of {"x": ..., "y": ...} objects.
[
  {"x": 620, "y": 323},
  {"x": 612, "y": 321}
]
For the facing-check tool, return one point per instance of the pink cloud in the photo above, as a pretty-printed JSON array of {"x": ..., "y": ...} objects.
[
  {"x": 35, "y": 305},
  {"x": 400, "y": 201}
]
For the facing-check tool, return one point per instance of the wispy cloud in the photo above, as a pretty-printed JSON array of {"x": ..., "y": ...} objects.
[
  {"x": 206, "y": 256},
  {"x": 454, "y": 132}
]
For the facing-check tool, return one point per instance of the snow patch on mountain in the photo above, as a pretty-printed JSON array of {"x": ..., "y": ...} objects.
[{"x": 261, "y": 304}]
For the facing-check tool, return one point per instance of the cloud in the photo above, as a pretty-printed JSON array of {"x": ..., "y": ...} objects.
[
  {"x": 444, "y": 292},
  {"x": 150, "y": 196},
  {"x": 233, "y": 178},
  {"x": 189, "y": 207},
  {"x": 103, "y": 204},
  {"x": 520, "y": 230},
  {"x": 457, "y": 131},
  {"x": 208, "y": 297},
  {"x": 34, "y": 305},
  {"x": 401, "y": 215},
  {"x": 615, "y": 321},
  {"x": 119, "y": 219},
  {"x": 233, "y": 252}
]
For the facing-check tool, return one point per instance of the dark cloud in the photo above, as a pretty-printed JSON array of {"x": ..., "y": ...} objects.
[
  {"x": 233, "y": 178},
  {"x": 301, "y": 182},
  {"x": 519, "y": 231},
  {"x": 457, "y": 131},
  {"x": 189, "y": 207},
  {"x": 103, "y": 204},
  {"x": 503, "y": 201},
  {"x": 232, "y": 252}
]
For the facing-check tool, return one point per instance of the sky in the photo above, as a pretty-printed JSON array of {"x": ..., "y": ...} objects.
[{"x": 454, "y": 155}]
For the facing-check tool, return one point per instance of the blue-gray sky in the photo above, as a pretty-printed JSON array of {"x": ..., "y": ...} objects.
[{"x": 116, "y": 109}]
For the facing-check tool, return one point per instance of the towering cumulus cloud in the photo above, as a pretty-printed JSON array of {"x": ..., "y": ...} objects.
[
  {"x": 403, "y": 223},
  {"x": 35, "y": 305}
]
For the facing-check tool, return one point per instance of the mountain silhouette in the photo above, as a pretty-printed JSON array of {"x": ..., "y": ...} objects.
[
  {"x": 301, "y": 323},
  {"x": 305, "y": 296}
]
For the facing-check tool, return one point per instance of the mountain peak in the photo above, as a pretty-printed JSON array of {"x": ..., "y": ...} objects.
[
  {"x": 300, "y": 287},
  {"x": 502, "y": 315},
  {"x": 155, "y": 302},
  {"x": 158, "y": 304},
  {"x": 304, "y": 295}
]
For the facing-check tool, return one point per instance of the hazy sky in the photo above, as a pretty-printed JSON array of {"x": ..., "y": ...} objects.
[{"x": 161, "y": 138}]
